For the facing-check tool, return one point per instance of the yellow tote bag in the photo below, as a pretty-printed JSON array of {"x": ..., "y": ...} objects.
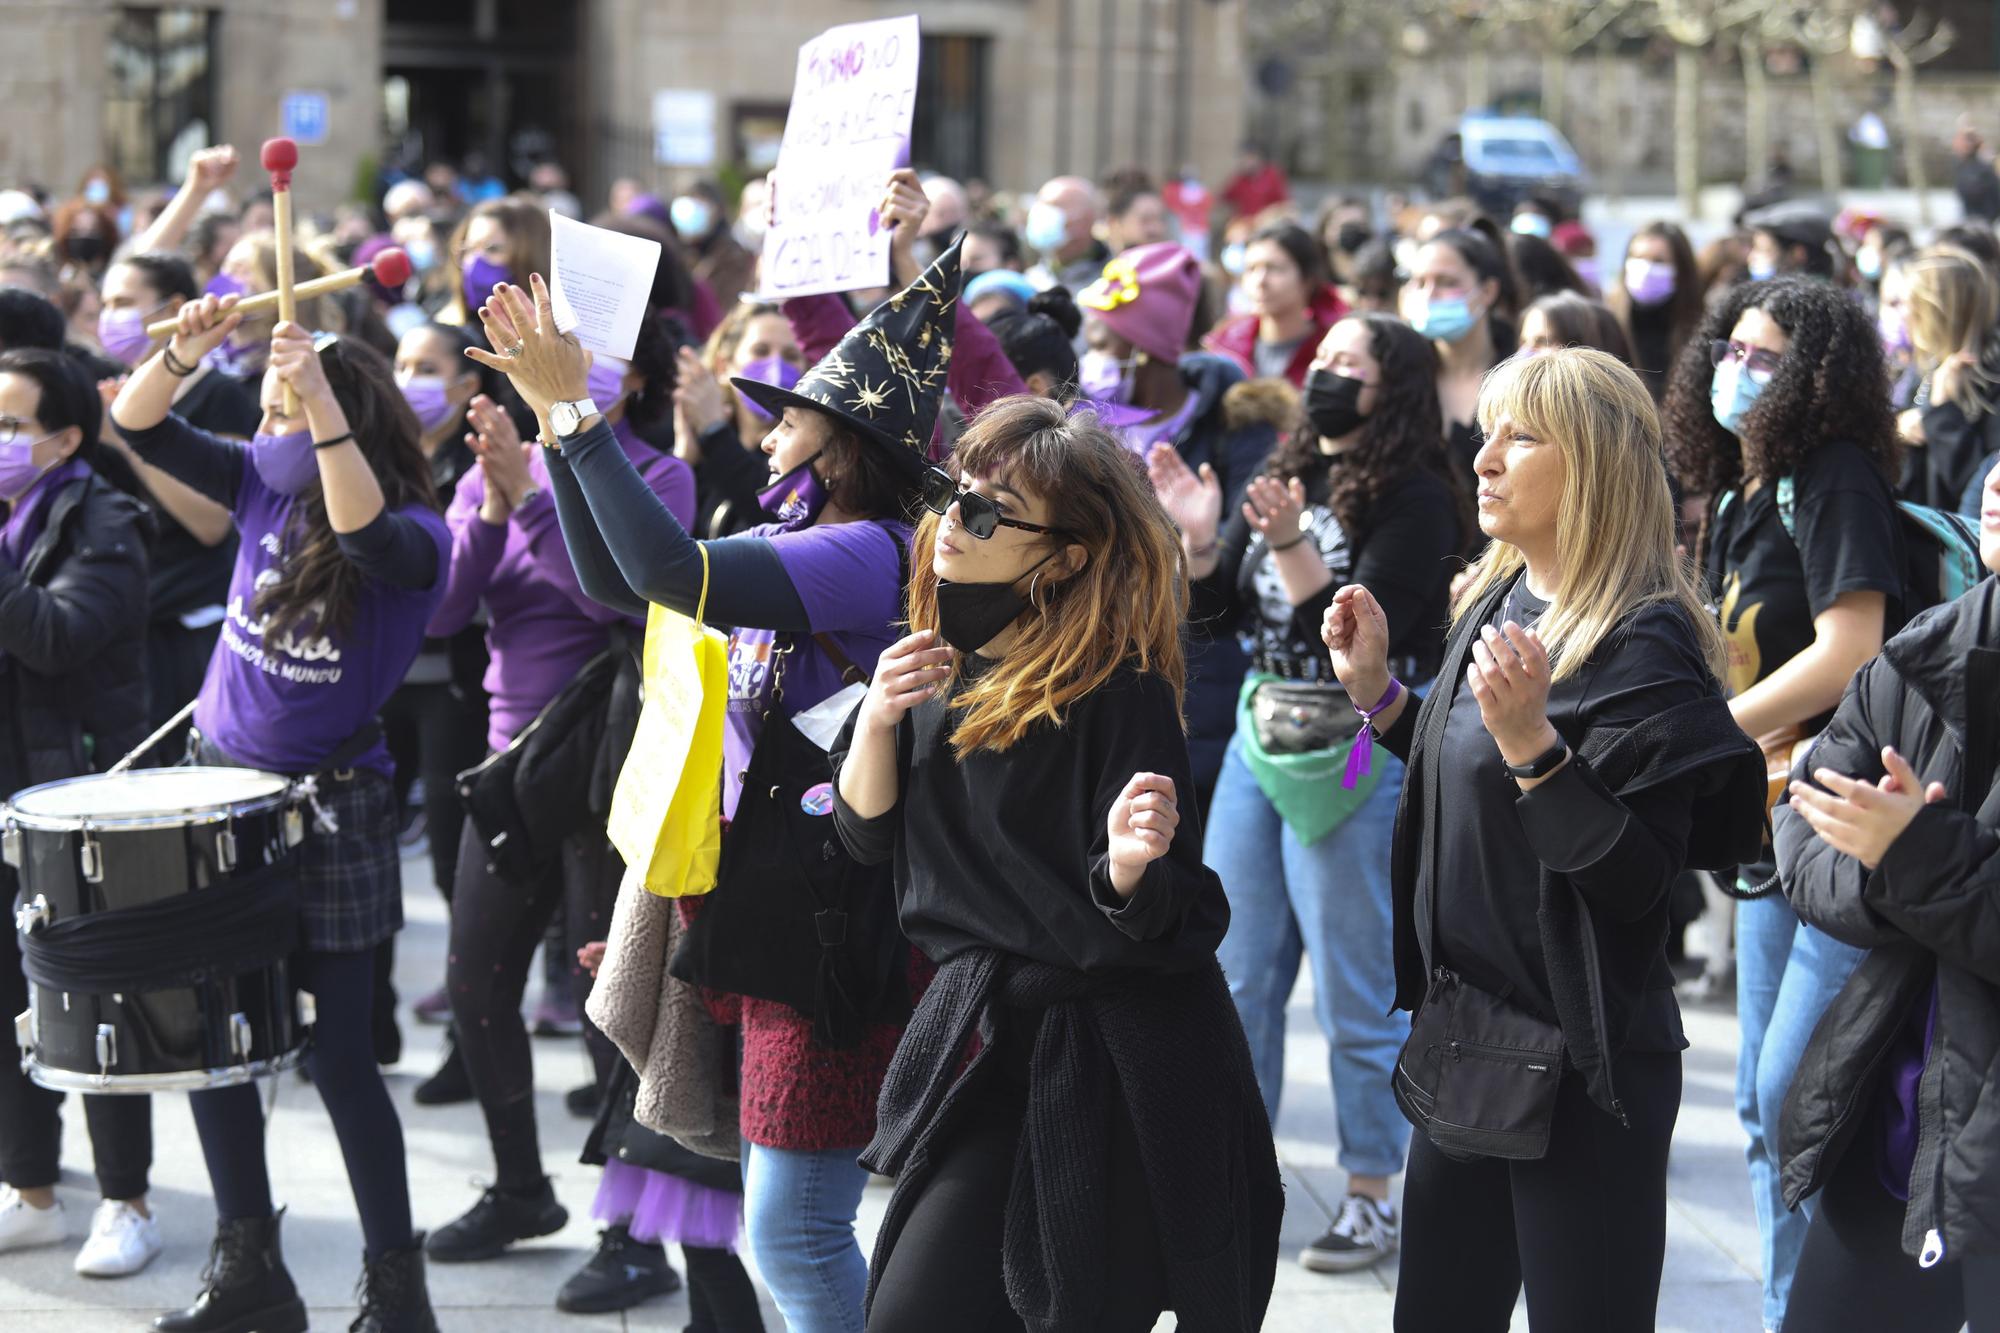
[{"x": 666, "y": 814}]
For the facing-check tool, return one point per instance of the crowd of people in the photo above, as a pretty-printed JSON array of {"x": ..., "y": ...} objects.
[{"x": 1146, "y": 593}]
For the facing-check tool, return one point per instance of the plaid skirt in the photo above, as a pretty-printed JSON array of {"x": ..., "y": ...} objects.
[{"x": 350, "y": 881}]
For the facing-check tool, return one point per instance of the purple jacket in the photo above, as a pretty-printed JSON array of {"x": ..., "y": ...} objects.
[{"x": 541, "y": 628}]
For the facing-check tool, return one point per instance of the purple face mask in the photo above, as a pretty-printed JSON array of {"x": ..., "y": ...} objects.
[
  {"x": 122, "y": 335},
  {"x": 482, "y": 275},
  {"x": 796, "y": 498},
  {"x": 285, "y": 462},
  {"x": 238, "y": 358},
  {"x": 427, "y": 398},
  {"x": 607, "y": 381},
  {"x": 772, "y": 370},
  {"x": 222, "y": 285},
  {"x": 18, "y": 469}
]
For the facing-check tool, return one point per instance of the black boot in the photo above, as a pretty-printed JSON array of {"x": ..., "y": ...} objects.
[
  {"x": 394, "y": 1298},
  {"x": 451, "y": 1084},
  {"x": 245, "y": 1288},
  {"x": 500, "y": 1218},
  {"x": 623, "y": 1273}
]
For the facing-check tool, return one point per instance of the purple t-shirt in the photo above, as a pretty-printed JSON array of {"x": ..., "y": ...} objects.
[
  {"x": 285, "y": 703},
  {"x": 848, "y": 577},
  {"x": 541, "y": 628}
]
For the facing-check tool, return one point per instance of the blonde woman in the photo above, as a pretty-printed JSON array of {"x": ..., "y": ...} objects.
[
  {"x": 251, "y": 267},
  {"x": 1953, "y": 305},
  {"x": 1574, "y": 757}
]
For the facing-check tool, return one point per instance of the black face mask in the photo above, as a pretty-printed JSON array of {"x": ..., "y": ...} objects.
[
  {"x": 1333, "y": 403},
  {"x": 86, "y": 249},
  {"x": 1351, "y": 237},
  {"x": 972, "y": 615}
]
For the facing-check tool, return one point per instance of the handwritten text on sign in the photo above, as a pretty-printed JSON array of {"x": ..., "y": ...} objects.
[{"x": 848, "y": 128}]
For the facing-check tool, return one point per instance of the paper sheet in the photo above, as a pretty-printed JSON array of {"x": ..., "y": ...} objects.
[
  {"x": 601, "y": 284},
  {"x": 848, "y": 128}
]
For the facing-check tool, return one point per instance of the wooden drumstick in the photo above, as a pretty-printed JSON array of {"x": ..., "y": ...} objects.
[
  {"x": 391, "y": 268},
  {"x": 279, "y": 157}
]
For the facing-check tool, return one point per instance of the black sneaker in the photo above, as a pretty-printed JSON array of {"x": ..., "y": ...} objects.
[
  {"x": 1364, "y": 1234},
  {"x": 582, "y": 1101},
  {"x": 500, "y": 1218},
  {"x": 450, "y": 1085},
  {"x": 623, "y": 1273}
]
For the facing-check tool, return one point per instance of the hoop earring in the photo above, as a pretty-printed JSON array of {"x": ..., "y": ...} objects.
[{"x": 1034, "y": 593}]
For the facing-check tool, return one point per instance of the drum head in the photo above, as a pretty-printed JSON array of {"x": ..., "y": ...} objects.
[{"x": 147, "y": 795}]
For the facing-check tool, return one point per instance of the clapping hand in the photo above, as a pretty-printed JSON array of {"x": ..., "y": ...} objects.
[
  {"x": 506, "y": 464},
  {"x": 545, "y": 366},
  {"x": 1356, "y": 634},
  {"x": 698, "y": 405},
  {"x": 1141, "y": 828},
  {"x": 1509, "y": 677},
  {"x": 1273, "y": 508},
  {"x": 1192, "y": 500},
  {"x": 1862, "y": 819}
]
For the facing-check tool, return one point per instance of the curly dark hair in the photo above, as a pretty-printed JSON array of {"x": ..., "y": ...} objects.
[
  {"x": 1405, "y": 431},
  {"x": 1832, "y": 384}
]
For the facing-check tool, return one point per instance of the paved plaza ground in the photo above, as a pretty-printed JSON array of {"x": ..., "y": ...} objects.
[{"x": 1710, "y": 1283}]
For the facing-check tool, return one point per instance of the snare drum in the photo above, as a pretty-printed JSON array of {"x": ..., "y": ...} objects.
[{"x": 90, "y": 848}]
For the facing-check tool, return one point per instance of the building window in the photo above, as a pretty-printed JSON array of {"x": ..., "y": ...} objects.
[
  {"x": 948, "y": 132},
  {"x": 159, "y": 106}
]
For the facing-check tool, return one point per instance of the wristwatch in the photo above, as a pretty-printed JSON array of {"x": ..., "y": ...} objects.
[
  {"x": 567, "y": 417},
  {"x": 1541, "y": 765}
]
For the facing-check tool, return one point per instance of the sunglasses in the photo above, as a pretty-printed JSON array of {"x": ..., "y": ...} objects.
[
  {"x": 1757, "y": 363},
  {"x": 977, "y": 513}
]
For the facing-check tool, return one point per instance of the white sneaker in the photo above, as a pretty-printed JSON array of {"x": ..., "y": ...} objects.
[
  {"x": 22, "y": 1225},
  {"x": 122, "y": 1241}
]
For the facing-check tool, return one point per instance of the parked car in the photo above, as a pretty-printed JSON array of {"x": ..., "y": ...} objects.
[{"x": 1498, "y": 160}]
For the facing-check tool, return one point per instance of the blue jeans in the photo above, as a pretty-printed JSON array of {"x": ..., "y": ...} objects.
[
  {"x": 1331, "y": 902},
  {"x": 799, "y": 1209},
  {"x": 1787, "y": 974}
]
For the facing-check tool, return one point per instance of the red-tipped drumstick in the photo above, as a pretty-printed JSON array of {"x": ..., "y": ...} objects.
[
  {"x": 279, "y": 157},
  {"x": 391, "y": 268}
]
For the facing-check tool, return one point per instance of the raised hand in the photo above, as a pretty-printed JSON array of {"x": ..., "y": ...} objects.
[
  {"x": 1273, "y": 508},
  {"x": 1862, "y": 819},
  {"x": 546, "y": 367},
  {"x": 1193, "y": 501},
  {"x": 1509, "y": 677},
  {"x": 210, "y": 168},
  {"x": 1140, "y": 828},
  {"x": 1356, "y": 634},
  {"x": 908, "y": 672},
  {"x": 698, "y": 400},
  {"x": 904, "y": 207},
  {"x": 296, "y": 362},
  {"x": 201, "y": 326}
]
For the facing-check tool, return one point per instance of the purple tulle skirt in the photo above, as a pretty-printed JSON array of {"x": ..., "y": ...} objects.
[{"x": 657, "y": 1206}]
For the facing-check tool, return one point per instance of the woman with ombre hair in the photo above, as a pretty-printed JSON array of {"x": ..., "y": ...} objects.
[
  {"x": 1022, "y": 758},
  {"x": 1575, "y": 756}
]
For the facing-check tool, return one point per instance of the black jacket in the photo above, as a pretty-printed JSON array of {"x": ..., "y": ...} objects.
[
  {"x": 1926, "y": 914},
  {"x": 1599, "y": 967},
  {"x": 73, "y": 632}
]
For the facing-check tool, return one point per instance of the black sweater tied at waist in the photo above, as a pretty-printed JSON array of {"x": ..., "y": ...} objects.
[{"x": 1168, "y": 1052}]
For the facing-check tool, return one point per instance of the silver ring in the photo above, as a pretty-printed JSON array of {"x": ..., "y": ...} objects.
[{"x": 515, "y": 350}]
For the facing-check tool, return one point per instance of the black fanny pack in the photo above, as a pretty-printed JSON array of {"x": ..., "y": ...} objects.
[{"x": 1479, "y": 1074}]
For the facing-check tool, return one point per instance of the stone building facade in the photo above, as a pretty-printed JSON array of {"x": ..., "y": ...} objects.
[{"x": 1015, "y": 90}]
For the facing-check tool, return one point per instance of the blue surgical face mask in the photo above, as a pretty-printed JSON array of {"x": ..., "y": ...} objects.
[
  {"x": 1731, "y": 395},
  {"x": 1762, "y": 267},
  {"x": 1233, "y": 258},
  {"x": 1532, "y": 224},
  {"x": 693, "y": 218},
  {"x": 1445, "y": 318},
  {"x": 1046, "y": 228},
  {"x": 423, "y": 253}
]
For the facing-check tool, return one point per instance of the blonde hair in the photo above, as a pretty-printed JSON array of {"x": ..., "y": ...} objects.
[
  {"x": 1615, "y": 524},
  {"x": 1953, "y": 306},
  {"x": 1125, "y": 605}
]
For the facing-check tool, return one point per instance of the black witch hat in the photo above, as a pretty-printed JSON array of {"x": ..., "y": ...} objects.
[{"x": 885, "y": 377}]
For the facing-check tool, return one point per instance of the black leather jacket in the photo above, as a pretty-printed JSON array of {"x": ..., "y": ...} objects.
[
  {"x": 1926, "y": 915},
  {"x": 73, "y": 636}
]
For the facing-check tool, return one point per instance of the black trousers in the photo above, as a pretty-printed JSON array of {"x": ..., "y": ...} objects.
[
  {"x": 945, "y": 1271},
  {"x": 1854, "y": 1277},
  {"x": 434, "y": 732},
  {"x": 121, "y": 1128},
  {"x": 495, "y": 926},
  {"x": 1584, "y": 1228}
]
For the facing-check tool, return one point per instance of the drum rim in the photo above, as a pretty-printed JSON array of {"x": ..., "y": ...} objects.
[
  {"x": 186, "y": 817},
  {"x": 57, "y": 1079}
]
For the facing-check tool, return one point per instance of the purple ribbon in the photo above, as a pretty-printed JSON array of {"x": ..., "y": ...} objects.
[{"x": 1361, "y": 757}]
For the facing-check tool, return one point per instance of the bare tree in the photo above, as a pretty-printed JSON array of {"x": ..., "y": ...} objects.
[
  {"x": 1825, "y": 29},
  {"x": 1694, "y": 27},
  {"x": 1559, "y": 30},
  {"x": 1917, "y": 42}
]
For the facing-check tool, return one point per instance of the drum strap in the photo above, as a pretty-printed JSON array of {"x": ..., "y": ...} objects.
[{"x": 245, "y": 924}]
